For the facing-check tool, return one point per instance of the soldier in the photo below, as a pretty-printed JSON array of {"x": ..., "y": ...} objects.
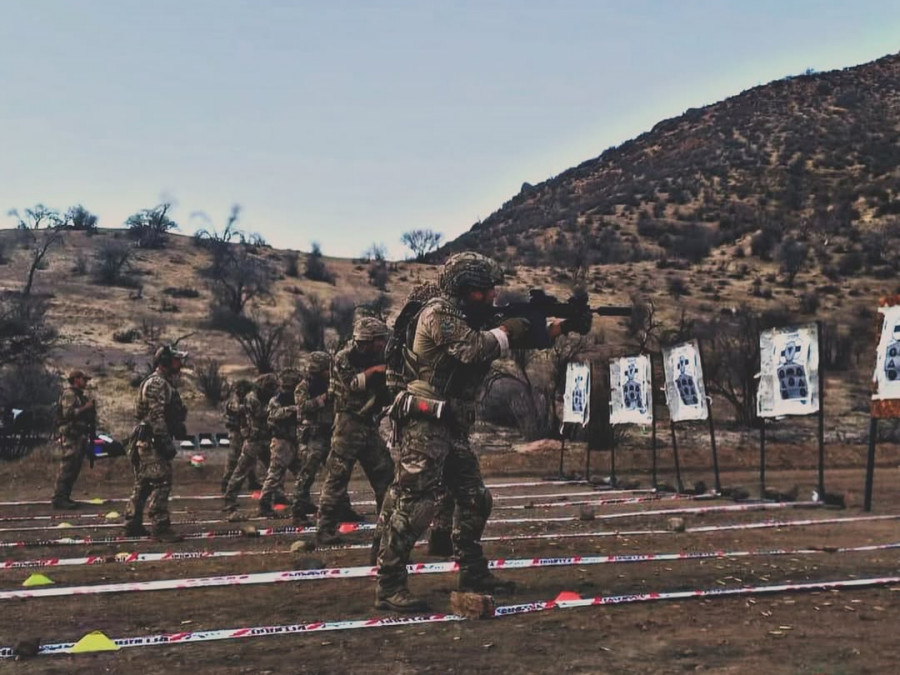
[
  {"x": 161, "y": 416},
  {"x": 76, "y": 419},
  {"x": 255, "y": 430},
  {"x": 451, "y": 353},
  {"x": 281, "y": 414},
  {"x": 358, "y": 390},
  {"x": 401, "y": 371},
  {"x": 316, "y": 412},
  {"x": 233, "y": 414}
]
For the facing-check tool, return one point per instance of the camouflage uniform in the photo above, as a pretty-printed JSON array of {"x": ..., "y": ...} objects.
[
  {"x": 159, "y": 409},
  {"x": 74, "y": 430},
  {"x": 255, "y": 430},
  {"x": 451, "y": 357},
  {"x": 233, "y": 414},
  {"x": 401, "y": 370},
  {"x": 357, "y": 400},
  {"x": 316, "y": 412},
  {"x": 281, "y": 415}
]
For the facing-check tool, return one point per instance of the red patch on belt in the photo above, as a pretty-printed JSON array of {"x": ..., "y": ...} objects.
[{"x": 423, "y": 406}]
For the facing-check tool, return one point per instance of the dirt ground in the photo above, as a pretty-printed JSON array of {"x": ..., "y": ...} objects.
[{"x": 850, "y": 631}]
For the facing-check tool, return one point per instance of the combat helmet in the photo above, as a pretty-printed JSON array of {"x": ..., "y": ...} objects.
[
  {"x": 265, "y": 383},
  {"x": 288, "y": 378},
  {"x": 166, "y": 354},
  {"x": 423, "y": 293},
  {"x": 368, "y": 328},
  {"x": 469, "y": 271},
  {"x": 318, "y": 363}
]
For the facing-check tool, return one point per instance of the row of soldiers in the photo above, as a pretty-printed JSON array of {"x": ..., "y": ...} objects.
[
  {"x": 333, "y": 409},
  {"x": 327, "y": 415}
]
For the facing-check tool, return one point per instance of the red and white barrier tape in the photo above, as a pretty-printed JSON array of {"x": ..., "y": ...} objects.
[
  {"x": 255, "y": 495},
  {"x": 353, "y": 527},
  {"x": 418, "y": 568},
  {"x": 217, "y": 521},
  {"x": 506, "y": 610},
  {"x": 136, "y": 557},
  {"x": 562, "y": 498},
  {"x": 607, "y": 502}
]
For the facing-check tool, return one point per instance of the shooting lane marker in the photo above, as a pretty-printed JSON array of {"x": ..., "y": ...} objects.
[
  {"x": 566, "y": 601},
  {"x": 416, "y": 568},
  {"x": 137, "y": 557}
]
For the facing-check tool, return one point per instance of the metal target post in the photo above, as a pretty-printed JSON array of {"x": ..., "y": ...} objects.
[
  {"x": 653, "y": 444},
  {"x": 762, "y": 457},
  {"x": 712, "y": 428},
  {"x": 870, "y": 462},
  {"x": 821, "y": 414},
  {"x": 679, "y": 484}
]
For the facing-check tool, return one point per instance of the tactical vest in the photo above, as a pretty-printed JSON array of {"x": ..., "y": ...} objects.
[
  {"x": 233, "y": 413},
  {"x": 71, "y": 426},
  {"x": 254, "y": 421},
  {"x": 174, "y": 411},
  {"x": 282, "y": 422},
  {"x": 445, "y": 375}
]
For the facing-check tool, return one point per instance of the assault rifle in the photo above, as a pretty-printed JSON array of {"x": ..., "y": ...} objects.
[{"x": 577, "y": 315}]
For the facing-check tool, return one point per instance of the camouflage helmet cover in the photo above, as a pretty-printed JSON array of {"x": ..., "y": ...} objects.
[
  {"x": 368, "y": 328},
  {"x": 289, "y": 378},
  {"x": 242, "y": 386},
  {"x": 423, "y": 292},
  {"x": 72, "y": 375},
  {"x": 266, "y": 382},
  {"x": 165, "y": 354},
  {"x": 469, "y": 271},
  {"x": 318, "y": 363}
]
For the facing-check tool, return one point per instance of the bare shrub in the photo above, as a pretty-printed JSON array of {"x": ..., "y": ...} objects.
[{"x": 210, "y": 380}]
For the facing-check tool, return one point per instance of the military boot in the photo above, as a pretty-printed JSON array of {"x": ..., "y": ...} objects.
[
  {"x": 134, "y": 529},
  {"x": 265, "y": 510},
  {"x": 304, "y": 506},
  {"x": 281, "y": 498},
  {"x": 348, "y": 515},
  {"x": 253, "y": 484},
  {"x": 65, "y": 504},
  {"x": 401, "y": 601},
  {"x": 328, "y": 538},
  {"x": 440, "y": 544},
  {"x": 167, "y": 535},
  {"x": 482, "y": 581}
]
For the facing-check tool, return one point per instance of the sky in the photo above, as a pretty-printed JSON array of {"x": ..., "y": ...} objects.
[{"x": 349, "y": 123}]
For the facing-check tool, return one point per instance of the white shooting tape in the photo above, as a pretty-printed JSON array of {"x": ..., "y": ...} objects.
[
  {"x": 418, "y": 568},
  {"x": 255, "y": 495},
  {"x": 353, "y": 527},
  {"x": 507, "y": 610},
  {"x": 137, "y": 557},
  {"x": 560, "y": 499}
]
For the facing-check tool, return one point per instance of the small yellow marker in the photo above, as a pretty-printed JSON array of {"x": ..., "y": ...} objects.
[
  {"x": 112, "y": 515},
  {"x": 97, "y": 501},
  {"x": 62, "y": 526},
  {"x": 37, "y": 580},
  {"x": 94, "y": 641}
]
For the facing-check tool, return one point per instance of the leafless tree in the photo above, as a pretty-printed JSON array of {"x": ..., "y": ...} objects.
[
  {"x": 150, "y": 227},
  {"x": 421, "y": 242},
  {"x": 261, "y": 339},
  {"x": 41, "y": 228}
]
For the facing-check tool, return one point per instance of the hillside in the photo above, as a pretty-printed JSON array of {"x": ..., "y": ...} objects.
[
  {"x": 777, "y": 205},
  {"x": 815, "y": 157}
]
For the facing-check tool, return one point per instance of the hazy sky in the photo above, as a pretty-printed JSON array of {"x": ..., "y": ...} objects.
[{"x": 349, "y": 123}]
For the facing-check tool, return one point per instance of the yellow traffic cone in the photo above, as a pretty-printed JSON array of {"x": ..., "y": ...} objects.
[{"x": 94, "y": 641}]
